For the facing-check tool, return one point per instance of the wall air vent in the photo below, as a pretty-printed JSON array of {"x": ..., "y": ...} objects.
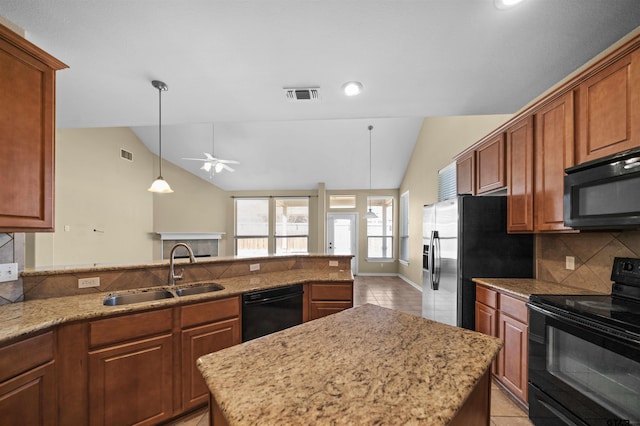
[
  {"x": 302, "y": 93},
  {"x": 126, "y": 155}
]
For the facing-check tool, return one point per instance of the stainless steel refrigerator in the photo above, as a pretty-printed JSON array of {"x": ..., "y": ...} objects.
[{"x": 463, "y": 238}]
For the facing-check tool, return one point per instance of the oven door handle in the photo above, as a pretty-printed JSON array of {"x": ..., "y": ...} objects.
[
  {"x": 558, "y": 414},
  {"x": 272, "y": 299}
]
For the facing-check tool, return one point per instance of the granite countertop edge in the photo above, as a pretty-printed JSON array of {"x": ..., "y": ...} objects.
[
  {"x": 525, "y": 287},
  {"x": 22, "y": 319}
]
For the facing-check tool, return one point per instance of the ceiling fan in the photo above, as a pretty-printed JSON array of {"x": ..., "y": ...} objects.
[{"x": 212, "y": 164}]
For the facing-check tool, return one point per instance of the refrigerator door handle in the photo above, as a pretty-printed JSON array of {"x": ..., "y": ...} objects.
[
  {"x": 435, "y": 271},
  {"x": 432, "y": 258}
]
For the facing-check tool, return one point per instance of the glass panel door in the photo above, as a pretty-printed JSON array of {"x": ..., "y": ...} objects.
[{"x": 342, "y": 236}]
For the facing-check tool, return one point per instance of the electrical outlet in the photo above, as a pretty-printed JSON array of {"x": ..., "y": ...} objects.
[
  {"x": 333, "y": 263},
  {"x": 89, "y": 282},
  {"x": 570, "y": 263},
  {"x": 254, "y": 267},
  {"x": 8, "y": 272}
]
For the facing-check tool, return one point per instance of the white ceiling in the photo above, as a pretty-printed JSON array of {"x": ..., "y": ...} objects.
[{"x": 226, "y": 61}]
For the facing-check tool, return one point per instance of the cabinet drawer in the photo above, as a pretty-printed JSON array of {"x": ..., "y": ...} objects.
[
  {"x": 25, "y": 355},
  {"x": 486, "y": 296},
  {"x": 331, "y": 291},
  {"x": 212, "y": 311},
  {"x": 132, "y": 326},
  {"x": 515, "y": 308}
]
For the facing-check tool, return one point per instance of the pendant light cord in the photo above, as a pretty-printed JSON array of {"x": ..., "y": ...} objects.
[
  {"x": 370, "y": 129},
  {"x": 160, "y": 126}
]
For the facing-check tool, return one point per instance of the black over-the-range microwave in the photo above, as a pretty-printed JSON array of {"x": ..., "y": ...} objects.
[{"x": 604, "y": 193}]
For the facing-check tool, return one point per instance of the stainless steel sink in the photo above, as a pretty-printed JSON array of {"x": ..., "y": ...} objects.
[
  {"x": 128, "y": 298},
  {"x": 198, "y": 289}
]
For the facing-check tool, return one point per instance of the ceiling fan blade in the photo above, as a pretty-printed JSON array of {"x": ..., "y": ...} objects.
[
  {"x": 195, "y": 159},
  {"x": 228, "y": 161},
  {"x": 227, "y": 167},
  {"x": 210, "y": 157}
]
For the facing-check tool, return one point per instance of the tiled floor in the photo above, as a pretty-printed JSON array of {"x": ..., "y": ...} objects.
[{"x": 392, "y": 292}]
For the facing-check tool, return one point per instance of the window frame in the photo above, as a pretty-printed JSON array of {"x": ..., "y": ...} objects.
[
  {"x": 387, "y": 239},
  {"x": 403, "y": 229}
]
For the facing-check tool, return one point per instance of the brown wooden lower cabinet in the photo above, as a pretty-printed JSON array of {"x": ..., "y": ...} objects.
[
  {"x": 132, "y": 383},
  {"x": 28, "y": 382},
  {"x": 329, "y": 298},
  {"x": 506, "y": 317}
]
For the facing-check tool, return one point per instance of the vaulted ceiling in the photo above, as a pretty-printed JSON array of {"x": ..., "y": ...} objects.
[{"x": 227, "y": 62}]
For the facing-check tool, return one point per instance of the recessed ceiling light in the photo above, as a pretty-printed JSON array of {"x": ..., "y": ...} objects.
[
  {"x": 352, "y": 88},
  {"x": 506, "y": 4}
]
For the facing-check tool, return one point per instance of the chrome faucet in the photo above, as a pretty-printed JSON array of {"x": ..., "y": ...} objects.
[{"x": 192, "y": 259}]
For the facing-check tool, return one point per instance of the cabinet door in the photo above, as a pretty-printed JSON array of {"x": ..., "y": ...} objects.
[
  {"x": 609, "y": 110},
  {"x": 553, "y": 153},
  {"x": 465, "y": 174},
  {"x": 490, "y": 172},
  {"x": 30, "y": 398},
  {"x": 131, "y": 383},
  {"x": 486, "y": 323},
  {"x": 520, "y": 176},
  {"x": 27, "y": 130},
  {"x": 199, "y": 341},
  {"x": 322, "y": 309},
  {"x": 513, "y": 365}
]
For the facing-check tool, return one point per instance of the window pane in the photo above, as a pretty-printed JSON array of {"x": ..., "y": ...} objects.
[
  {"x": 380, "y": 247},
  {"x": 342, "y": 201},
  {"x": 291, "y": 245},
  {"x": 252, "y": 217},
  {"x": 292, "y": 216},
  {"x": 380, "y": 229},
  {"x": 252, "y": 246},
  {"x": 404, "y": 227}
]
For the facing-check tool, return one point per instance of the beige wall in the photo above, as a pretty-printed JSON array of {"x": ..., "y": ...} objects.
[
  {"x": 96, "y": 189},
  {"x": 440, "y": 139}
]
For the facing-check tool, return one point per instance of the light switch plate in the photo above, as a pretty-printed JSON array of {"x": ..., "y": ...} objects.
[
  {"x": 8, "y": 272},
  {"x": 254, "y": 267},
  {"x": 333, "y": 263},
  {"x": 89, "y": 282}
]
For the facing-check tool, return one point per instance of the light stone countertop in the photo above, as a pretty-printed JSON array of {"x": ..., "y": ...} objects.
[
  {"x": 365, "y": 365},
  {"x": 525, "y": 287},
  {"x": 24, "y": 318}
]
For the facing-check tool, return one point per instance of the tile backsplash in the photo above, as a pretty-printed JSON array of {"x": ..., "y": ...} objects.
[
  {"x": 593, "y": 253},
  {"x": 11, "y": 251}
]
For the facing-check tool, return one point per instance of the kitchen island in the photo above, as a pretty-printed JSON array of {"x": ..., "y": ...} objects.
[{"x": 366, "y": 365}]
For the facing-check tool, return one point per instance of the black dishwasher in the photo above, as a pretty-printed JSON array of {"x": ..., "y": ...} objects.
[{"x": 268, "y": 311}]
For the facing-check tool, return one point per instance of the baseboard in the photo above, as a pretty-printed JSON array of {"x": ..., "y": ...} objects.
[{"x": 411, "y": 283}]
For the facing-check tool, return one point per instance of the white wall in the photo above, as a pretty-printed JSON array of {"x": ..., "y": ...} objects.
[
  {"x": 96, "y": 189},
  {"x": 439, "y": 140}
]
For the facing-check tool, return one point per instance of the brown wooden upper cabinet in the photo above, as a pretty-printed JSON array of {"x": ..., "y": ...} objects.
[
  {"x": 554, "y": 148},
  {"x": 490, "y": 169},
  {"x": 609, "y": 110},
  {"x": 27, "y": 132},
  {"x": 520, "y": 176},
  {"x": 466, "y": 173}
]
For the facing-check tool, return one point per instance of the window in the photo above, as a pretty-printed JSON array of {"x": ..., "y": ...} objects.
[
  {"x": 292, "y": 225},
  {"x": 342, "y": 201},
  {"x": 252, "y": 226},
  {"x": 380, "y": 229},
  {"x": 404, "y": 227},
  {"x": 271, "y": 225}
]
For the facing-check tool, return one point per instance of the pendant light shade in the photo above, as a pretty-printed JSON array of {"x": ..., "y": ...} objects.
[
  {"x": 370, "y": 214},
  {"x": 160, "y": 185}
]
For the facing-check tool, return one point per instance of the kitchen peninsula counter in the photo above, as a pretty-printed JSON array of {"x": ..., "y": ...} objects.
[
  {"x": 24, "y": 318},
  {"x": 366, "y": 365},
  {"x": 525, "y": 287}
]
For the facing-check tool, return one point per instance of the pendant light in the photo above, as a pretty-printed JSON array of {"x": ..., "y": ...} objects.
[
  {"x": 160, "y": 185},
  {"x": 370, "y": 214}
]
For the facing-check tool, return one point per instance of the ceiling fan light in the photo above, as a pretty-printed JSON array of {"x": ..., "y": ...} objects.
[
  {"x": 219, "y": 167},
  {"x": 352, "y": 88},
  {"x": 160, "y": 186}
]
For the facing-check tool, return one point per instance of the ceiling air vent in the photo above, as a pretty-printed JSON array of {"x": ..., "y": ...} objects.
[
  {"x": 302, "y": 93},
  {"x": 126, "y": 155}
]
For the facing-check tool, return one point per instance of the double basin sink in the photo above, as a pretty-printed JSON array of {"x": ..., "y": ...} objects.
[{"x": 150, "y": 295}]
